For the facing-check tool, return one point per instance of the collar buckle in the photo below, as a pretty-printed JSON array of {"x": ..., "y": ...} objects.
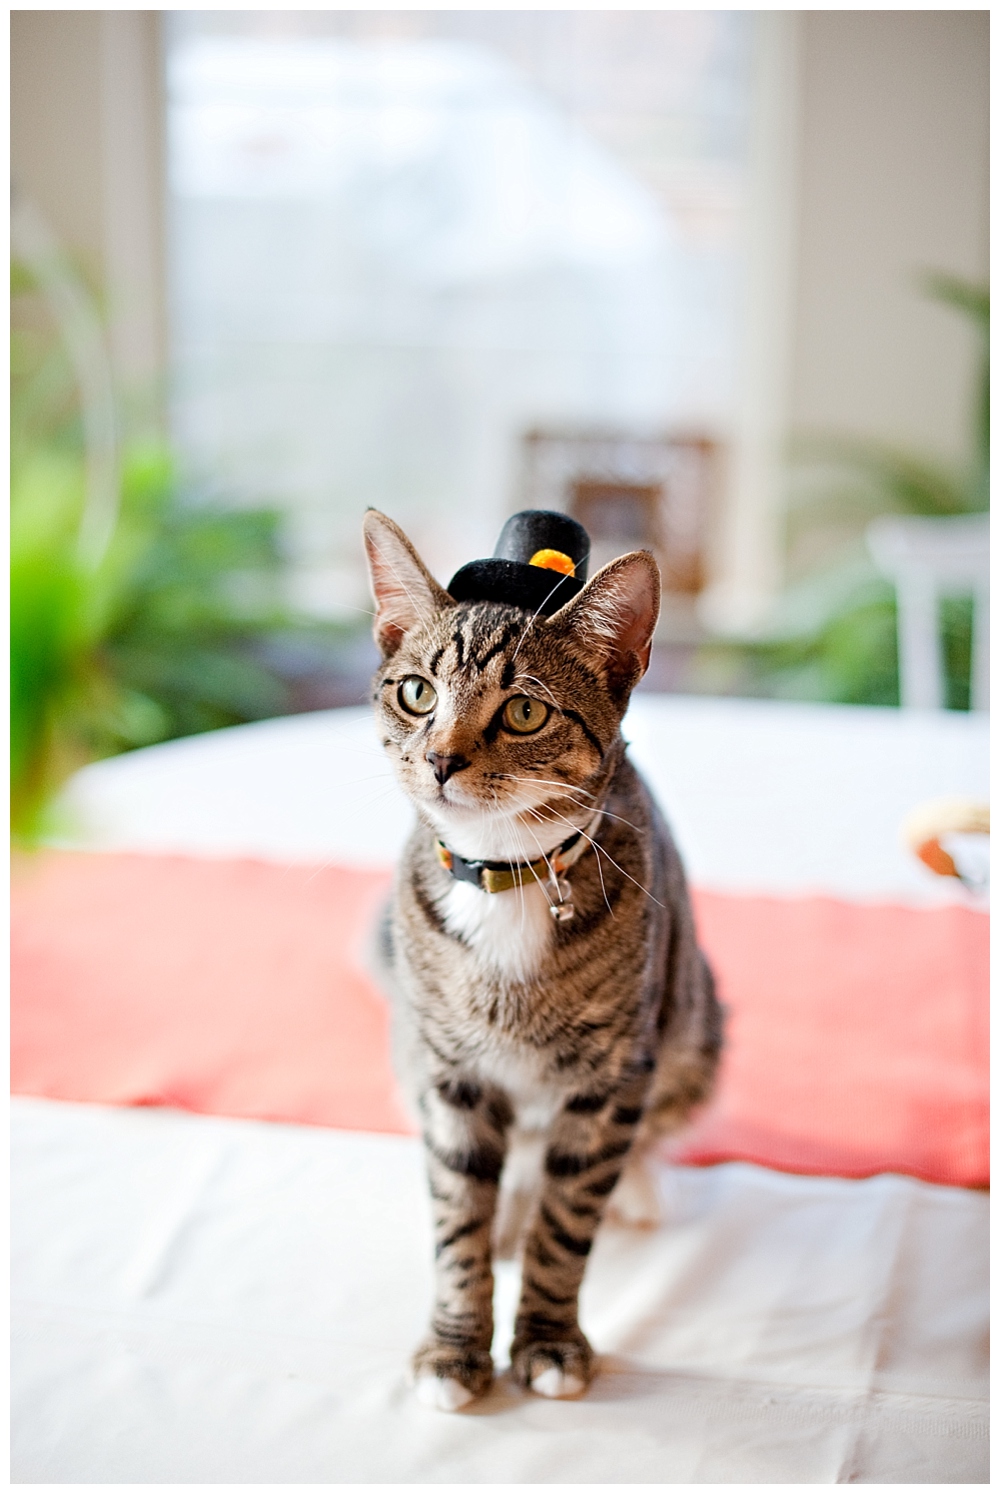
[{"x": 501, "y": 876}]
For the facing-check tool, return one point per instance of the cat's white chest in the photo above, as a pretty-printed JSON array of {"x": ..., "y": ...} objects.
[{"x": 509, "y": 932}]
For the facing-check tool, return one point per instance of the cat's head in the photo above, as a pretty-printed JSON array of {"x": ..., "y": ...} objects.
[{"x": 486, "y": 710}]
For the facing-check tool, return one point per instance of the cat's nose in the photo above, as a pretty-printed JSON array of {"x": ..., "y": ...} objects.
[{"x": 446, "y": 763}]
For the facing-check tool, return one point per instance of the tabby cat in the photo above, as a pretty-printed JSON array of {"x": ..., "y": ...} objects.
[{"x": 567, "y": 1020}]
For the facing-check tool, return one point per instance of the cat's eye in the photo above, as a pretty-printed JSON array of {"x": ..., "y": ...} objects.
[
  {"x": 524, "y": 715},
  {"x": 417, "y": 696}
]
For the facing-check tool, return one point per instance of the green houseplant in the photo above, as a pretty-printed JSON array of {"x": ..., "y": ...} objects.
[{"x": 159, "y": 631}]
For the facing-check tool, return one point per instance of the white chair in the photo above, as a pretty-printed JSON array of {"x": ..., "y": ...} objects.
[{"x": 926, "y": 558}]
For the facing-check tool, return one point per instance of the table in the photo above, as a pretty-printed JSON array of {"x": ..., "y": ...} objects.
[{"x": 203, "y": 1299}]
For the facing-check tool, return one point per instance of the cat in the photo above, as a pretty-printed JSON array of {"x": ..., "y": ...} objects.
[{"x": 570, "y": 1018}]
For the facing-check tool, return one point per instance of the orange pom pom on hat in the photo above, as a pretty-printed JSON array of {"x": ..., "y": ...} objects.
[{"x": 540, "y": 563}]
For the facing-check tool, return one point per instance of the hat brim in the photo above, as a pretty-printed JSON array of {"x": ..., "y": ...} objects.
[{"x": 515, "y": 584}]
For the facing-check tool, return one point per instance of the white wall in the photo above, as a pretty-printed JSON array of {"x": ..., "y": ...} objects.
[
  {"x": 86, "y": 151},
  {"x": 879, "y": 150},
  {"x": 892, "y": 181},
  {"x": 870, "y": 167}
]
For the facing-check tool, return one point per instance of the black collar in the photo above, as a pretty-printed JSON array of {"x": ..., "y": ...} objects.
[{"x": 501, "y": 876}]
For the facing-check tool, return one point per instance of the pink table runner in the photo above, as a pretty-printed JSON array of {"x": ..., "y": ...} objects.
[{"x": 857, "y": 1038}]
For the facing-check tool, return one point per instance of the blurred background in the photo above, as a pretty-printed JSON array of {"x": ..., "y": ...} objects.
[{"x": 713, "y": 282}]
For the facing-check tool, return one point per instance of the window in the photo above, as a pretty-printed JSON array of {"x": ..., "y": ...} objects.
[{"x": 403, "y": 247}]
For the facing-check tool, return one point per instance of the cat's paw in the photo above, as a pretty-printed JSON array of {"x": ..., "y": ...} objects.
[
  {"x": 442, "y": 1394},
  {"x": 447, "y": 1378},
  {"x": 556, "y": 1370}
]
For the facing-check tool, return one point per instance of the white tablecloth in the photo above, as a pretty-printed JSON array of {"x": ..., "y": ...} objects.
[
  {"x": 209, "y": 1300},
  {"x": 229, "y": 1301},
  {"x": 763, "y": 797}
]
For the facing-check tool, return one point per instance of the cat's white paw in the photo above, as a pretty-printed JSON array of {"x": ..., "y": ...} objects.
[
  {"x": 636, "y": 1199},
  {"x": 556, "y": 1383},
  {"x": 441, "y": 1394},
  {"x": 555, "y": 1370}
]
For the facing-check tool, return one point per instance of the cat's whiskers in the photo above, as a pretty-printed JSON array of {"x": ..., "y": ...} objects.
[
  {"x": 482, "y": 832},
  {"x": 550, "y": 782},
  {"x": 552, "y": 875},
  {"x": 367, "y": 778},
  {"x": 537, "y": 810},
  {"x": 604, "y": 891},
  {"x": 569, "y": 791},
  {"x": 517, "y": 884},
  {"x": 614, "y": 863}
]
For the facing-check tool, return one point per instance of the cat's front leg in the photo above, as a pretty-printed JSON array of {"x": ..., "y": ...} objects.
[
  {"x": 465, "y": 1132},
  {"x": 588, "y": 1144}
]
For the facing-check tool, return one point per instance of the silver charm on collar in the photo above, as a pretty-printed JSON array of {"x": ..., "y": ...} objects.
[{"x": 562, "y": 910}]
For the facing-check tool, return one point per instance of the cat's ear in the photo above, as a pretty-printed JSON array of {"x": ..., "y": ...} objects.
[
  {"x": 405, "y": 591},
  {"x": 614, "y": 617}
]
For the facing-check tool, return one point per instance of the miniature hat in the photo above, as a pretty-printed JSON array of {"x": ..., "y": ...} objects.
[{"x": 539, "y": 563}]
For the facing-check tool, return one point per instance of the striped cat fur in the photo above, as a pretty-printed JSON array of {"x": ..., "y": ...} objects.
[{"x": 543, "y": 1058}]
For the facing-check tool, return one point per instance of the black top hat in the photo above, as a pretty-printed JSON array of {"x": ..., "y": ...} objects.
[{"x": 539, "y": 563}]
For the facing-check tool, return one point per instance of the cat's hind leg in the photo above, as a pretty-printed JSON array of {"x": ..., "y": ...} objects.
[
  {"x": 637, "y": 1200},
  {"x": 519, "y": 1188}
]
